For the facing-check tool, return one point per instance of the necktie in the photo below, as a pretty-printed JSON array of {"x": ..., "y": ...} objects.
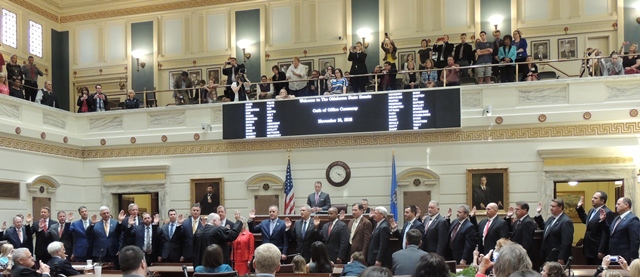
[
  {"x": 86, "y": 224},
  {"x": 304, "y": 228},
  {"x": 353, "y": 230},
  {"x": 404, "y": 236},
  {"x": 616, "y": 225},
  {"x": 518, "y": 221},
  {"x": 454, "y": 233},
  {"x": 61, "y": 229},
  {"x": 593, "y": 212},
  {"x": 272, "y": 224},
  {"x": 19, "y": 234},
  {"x": 106, "y": 228},
  {"x": 317, "y": 199},
  {"x": 33, "y": 72},
  {"x": 195, "y": 225},
  {"x": 461, "y": 50},
  {"x": 45, "y": 225},
  {"x": 546, "y": 230},
  {"x": 330, "y": 227},
  {"x": 426, "y": 227},
  {"x": 486, "y": 229},
  {"x": 171, "y": 230},
  {"x": 147, "y": 244}
]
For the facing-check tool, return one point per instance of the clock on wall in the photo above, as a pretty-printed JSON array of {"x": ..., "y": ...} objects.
[{"x": 338, "y": 173}]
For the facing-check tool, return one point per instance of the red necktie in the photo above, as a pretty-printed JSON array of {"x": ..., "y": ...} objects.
[
  {"x": 616, "y": 225},
  {"x": 486, "y": 228},
  {"x": 61, "y": 229},
  {"x": 33, "y": 73},
  {"x": 19, "y": 234},
  {"x": 330, "y": 227}
]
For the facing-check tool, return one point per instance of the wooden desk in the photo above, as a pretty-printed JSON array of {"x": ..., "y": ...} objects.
[{"x": 170, "y": 270}]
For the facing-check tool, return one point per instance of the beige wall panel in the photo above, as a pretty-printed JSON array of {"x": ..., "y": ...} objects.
[
  {"x": 217, "y": 32},
  {"x": 456, "y": 12},
  {"x": 400, "y": 18},
  {"x": 331, "y": 20},
  {"x": 173, "y": 35},
  {"x": 281, "y": 25},
  {"x": 116, "y": 43},
  {"x": 536, "y": 10},
  {"x": 599, "y": 7},
  {"x": 87, "y": 45}
]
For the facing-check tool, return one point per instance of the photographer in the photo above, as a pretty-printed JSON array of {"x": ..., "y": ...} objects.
[
  {"x": 357, "y": 57},
  {"x": 239, "y": 88},
  {"x": 182, "y": 86},
  {"x": 231, "y": 69}
]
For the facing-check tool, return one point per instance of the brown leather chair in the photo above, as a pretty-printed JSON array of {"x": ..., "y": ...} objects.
[
  {"x": 286, "y": 268},
  {"x": 340, "y": 207}
]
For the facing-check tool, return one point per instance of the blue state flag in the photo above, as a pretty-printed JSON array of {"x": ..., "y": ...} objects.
[{"x": 394, "y": 190}]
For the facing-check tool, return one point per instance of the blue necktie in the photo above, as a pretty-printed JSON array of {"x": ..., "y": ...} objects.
[{"x": 171, "y": 230}]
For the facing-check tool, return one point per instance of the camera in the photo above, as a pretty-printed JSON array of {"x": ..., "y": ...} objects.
[{"x": 613, "y": 259}]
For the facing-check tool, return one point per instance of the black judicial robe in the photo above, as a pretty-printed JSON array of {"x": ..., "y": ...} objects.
[{"x": 219, "y": 235}]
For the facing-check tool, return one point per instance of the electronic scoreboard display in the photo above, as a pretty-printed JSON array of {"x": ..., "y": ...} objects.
[{"x": 344, "y": 113}]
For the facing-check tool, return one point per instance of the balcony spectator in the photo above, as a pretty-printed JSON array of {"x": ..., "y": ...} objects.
[
  {"x": 30, "y": 73},
  {"x": 429, "y": 77},
  {"x": 284, "y": 95},
  {"x": 265, "y": 88},
  {"x": 497, "y": 43},
  {"x": 507, "y": 56},
  {"x": 239, "y": 87},
  {"x": 295, "y": 73},
  {"x": 358, "y": 58},
  {"x": 408, "y": 59},
  {"x": 100, "y": 100},
  {"x": 411, "y": 79},
  {"x": 231, "y": 69},
  {"x": 453, "y": 73},
  {"x": 14, "y": 70},
  {"x": 328, "y": 75},
  {"x": 201, "y": 91},
  {"x": 424, "y": 53},
  {"x": 4, "y": 86},
  {"x": 630, "y": 61},
  {"x": 339, "y": 84},
  {"x": 442, "y": 51},
  {"x": 212, "y": 91},
  {"x": 614, "y": 66},
  {"x": 390, "y": 50},
  {"x": 45, "y": 96},
  {"x": 521, "y": 45},
  {"x": 314, "y": 83},
  {"x": 388, "y": 81},
  {"x": 530, "y": 71},
  {"x": 131, "y": 102},
  {"x": 182, "y": 86},
  {"x": 484, "y": 51},
  {"x": 463, "y": 54},
  {"x": 16, "y": 89},
  {"x": 278, "y": 76},
  {"x": 84, "y": 102},
  {"x": 375, "y": 79}
]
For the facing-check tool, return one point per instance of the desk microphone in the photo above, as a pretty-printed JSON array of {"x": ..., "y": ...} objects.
[{"x": 184, "y": 269}]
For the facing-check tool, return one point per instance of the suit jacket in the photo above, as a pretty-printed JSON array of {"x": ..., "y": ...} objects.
[
  {"x": 89, "y": 104},
  {"x": 42, "y": 241},
  {"x": 337, "y": 242},
  {"x": 464, "y": 242},
  {"x": 467, "y": 52},
  {"x": 361, "y": 236},
  {"x": 94, "y": 104},
  {"x": 210, "y": 234},
  {"x": 124, "y": 236},
  {"x": 482, "y": 197},
  {"x": 12, "y": 237},
  {"x": 436, "y": 236},
  {"x": 358, "y": 65},
  {"x": 522, "y": 233},
  {"x": 443, "y": 51},
  {"x": 207, "y": 207},
  {"x": 405, "y": 261},
  {"x": 243, "y": 247},
  {"x": 625, "y": 239},
  {"x": 53, "y": 234},
  {"x": 81, "y": 245},
  {"x": 559, "y": 236},
  {"x": 303, "y": 242},
  {"x": 231, "y": 71},
  {"x": 105, "y": 244},
  {"x": 22, "y": 271},
  {"x": 61, "y": 266},
  {"x": 137, "y": 234},
  {"x": 399, "y": 233},
  {"x": 567, "y": 54},
  {"x": 187, "y": 246},
  {"x": 595, "y": 237},
  {"x": 497, "y": 230},
  {"x": 540, "y": 56},
  {"x": 172, "y": 246},
  {"x": 278, "y": 237},
  {"x": 324, "y": 201},
  {"x": 379, "y": 245}
]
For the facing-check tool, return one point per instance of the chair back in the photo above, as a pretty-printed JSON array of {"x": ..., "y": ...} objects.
[
  {"x": 286, "y": 268},
  {"x": 221, "y": 274},
  {"x": 547, "y": 75},
  {"x": 301, "y": 275},
  {"x": 451, "y": 265},
  {"x": 340, "y": 207}
]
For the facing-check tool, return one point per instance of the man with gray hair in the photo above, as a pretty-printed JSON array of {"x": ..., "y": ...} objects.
[
  {"x": 213, "y": 233},
  {"x": 23, "y": 265},
  {"x": 59, "y": 263},
  {"x": 45, "y": 96},
  {"x": 105, "y": 234},
  {"x": 378, "y": 253},
  {"x": 436, "y": 231},
  {"x": 267, "y": 260},
  {"x": 462, "y": 237},
  {"x": 303, "y": 232}
]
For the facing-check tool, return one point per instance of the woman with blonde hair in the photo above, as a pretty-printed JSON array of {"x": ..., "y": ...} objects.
[
  {"x": 552, "y": 269},
  {"x": 299, "y": 264},
  {"x": 4, "y": 85},
  {"x": 630, "y": 61},
  {"x": 5, "y": 256}
]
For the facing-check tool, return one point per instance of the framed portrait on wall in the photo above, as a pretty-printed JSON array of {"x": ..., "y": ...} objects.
[
  {"x": 209, "y": 193},
  {"x": 488, "y": 185},
  {"x": 323, "y": 63},
  {"x": 173, "y": 75},
  {"x": 284, "y": 66},
  {"x": 309, "y": 65},
  {"x": 214, "y": 74},
  {"x": 195, "y": 75},
  {"x": 404, "y": 57},
  {"x": 571, "y": 199},
  {"x": 540, "y": 50},
  {"x": 568, "y": 48}
]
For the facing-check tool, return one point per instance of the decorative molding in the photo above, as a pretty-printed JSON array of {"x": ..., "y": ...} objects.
[
  {"x": 36, "y": 9},
  {"x": 587, "y": 161},
  {"x": 188, "y": 62},
  {"x": 311, "y": 52},
  {"x": 573, "y": 28},
  {"x": 544, "y": 95}
]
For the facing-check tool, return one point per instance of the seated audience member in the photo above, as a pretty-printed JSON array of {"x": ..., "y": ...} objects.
[
  {"x": 265, "y": 88},
  {"x": 552, "y": 269},
  {"x": 201, "y": 92},
  {"x": 525, "y": 273},
  {"x": 530, "y": 71},
  {"x": 339, "y": 84},
  {"x": 431, "y": 265},
  {"x": 634, "y": 268},
  {"x": 376, "y": 271},
  {"x": 512, "y": 258},
  {"x": 429, "y": 77},
  {"x": 631, "y": 62},
  {"x": 388, "y": 79},
  {"x": 411, "y": 80},
  {"x": 315, "y": 83},
  {"x": 507, "y": 57},
  {"x": 131, "y": 102},
  {"x": 4, "y": 85},
  {"x": 453, "y": 73},
  {"x": 406, "y": 260},
  {"x": 347, "y": 76},
  {"x": 84, "y": 102},
  {"x": 328, "y": 76},
  {"x": 267, "y": 259},
  {"x": 212, "y": 261},
  {"x": 375, "y": 79},
  {"x": 6, "y": 252},
  {"x": 320, "y": 262},
  {"x": 23, "y": 263},
  {"x": 16, "y": 89},
  {"x": 212, "y": 91},
  {"x": 614, "y": 66},
  {"x": 59, "y": 263},
  {"x": 299, "y": 264},
  {"x": 132, "y": 261},
  {"x": 355, "y": 266},
  {"x": 284, "y": 95}
]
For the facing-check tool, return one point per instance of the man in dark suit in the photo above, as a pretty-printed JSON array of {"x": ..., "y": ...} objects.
[
  {"x": 132, "y": 213},
  {"x": 222, "y": 212},
  {"x": 335, "y": 236},
  {"x": 360, "y": 230},
  {"x": 378, "y": 253},
  {"x": 81, "y": 246},
  {"x": 145, "y": 236},
  {"x": 319, "y": 200},
  {"x": 491, "y": 229},
  {"x": 100, "y": 100},
  {"x": 595, "y": 243},
  {"x": 523, "y": 228},
  {"x": 558, "y": 232},
  {"x": 462, "y": 237},
  {"x": 497, "y": 43},
  {"x": 231, "y": 69},
  {"x": 406, "y": 260},
  {"x": 40, "y": 228},
  {"x": 483, "y": 194},
  {"x": 59, "y": 264},
  {"x": 59, "y": 231},
  {"x": 443, "y": 51},
  {"x": 105, "y": 235},
  {"x": 19, "y": 235},
  {"x": 624, "y": 231},
  {"x": 273, "y": 230},
  {"x": 23, "y": 263},
  {"x": 410, "y": 222},
  {"x": 358, "y": 57},
  {"x": 214, "y": 233},
  {"x": 303, "y": 232},
  {"x": 210, "y": 201},
  {"x": 436, "y": 231},
  {"x": 172, "y": 237},
  {"x": 566, "y": 52},
  {"x": 541, "y": 53},
  {"x": 463, "y": 54},
  {"x": 190, "y": 226}
]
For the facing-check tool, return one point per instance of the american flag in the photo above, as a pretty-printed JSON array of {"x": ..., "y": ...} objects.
[{"x": 289, "y": 199}]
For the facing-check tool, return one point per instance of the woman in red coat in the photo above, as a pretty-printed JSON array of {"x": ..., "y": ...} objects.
[{"x": 243, "y": 248}]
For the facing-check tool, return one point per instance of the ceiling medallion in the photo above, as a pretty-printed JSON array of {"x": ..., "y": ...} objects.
[
  {"x": 586, "y": 116},
  {"x": 132, "y": 140},
  {"x": 18, "y": 130},
  {"x": 43, "y": 135},
  {"x": 164, "y": 138},
  {"x": 499, "y": 120},
  {"x": 542, "y": 118},
  {"x": 103, "y": 141},
  {"x": 196, "y": 136},
  {"x": 633, "y": 113}
]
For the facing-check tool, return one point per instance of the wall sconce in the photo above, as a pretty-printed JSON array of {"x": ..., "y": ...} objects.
[
  {"x": 364, "y": 33},
  {"x": 243, "y": 44},
  {"x": 495, "y": 20},
  {"x": 573, "y": 183},
  {"x": 137, "y": 54}
]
